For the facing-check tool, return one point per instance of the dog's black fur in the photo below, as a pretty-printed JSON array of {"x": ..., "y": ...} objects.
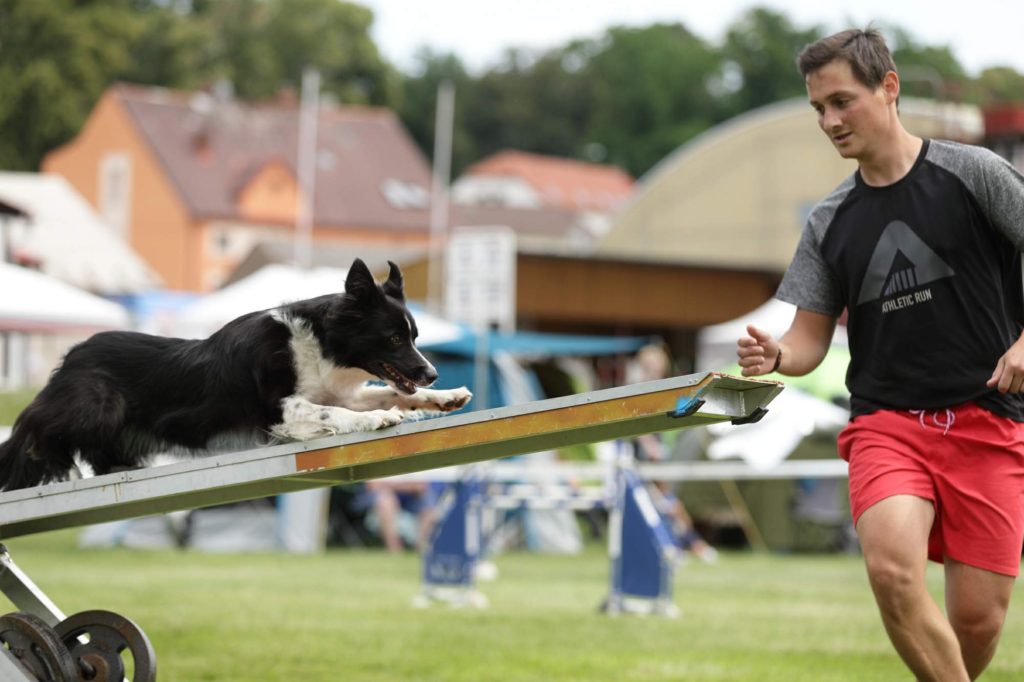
[{"x": 294, "y": 372}]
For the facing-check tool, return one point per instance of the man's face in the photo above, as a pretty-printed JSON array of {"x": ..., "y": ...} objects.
[{"x": 854, "y": 116}]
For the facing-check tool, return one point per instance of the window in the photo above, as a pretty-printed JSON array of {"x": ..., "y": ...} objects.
[
  {"x": 115, "y": 191},
  {"x": 404, "y": 195}
]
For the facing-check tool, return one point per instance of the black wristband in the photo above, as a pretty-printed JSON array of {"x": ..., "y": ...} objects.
[{"x": 778, "y": 361}]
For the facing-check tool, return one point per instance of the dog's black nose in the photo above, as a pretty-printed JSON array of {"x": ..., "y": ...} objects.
[{"x": 429, "y": 375}]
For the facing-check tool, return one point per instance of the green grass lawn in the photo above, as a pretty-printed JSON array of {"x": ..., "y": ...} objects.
[
  {"x": 346, "y": 615},
  {"x": 12, "y": 403}
]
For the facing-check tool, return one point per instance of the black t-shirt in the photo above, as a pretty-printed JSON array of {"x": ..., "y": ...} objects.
[{"x": 929, "y": 270}]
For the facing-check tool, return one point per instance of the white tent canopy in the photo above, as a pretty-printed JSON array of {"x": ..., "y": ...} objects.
[
  {"x": 67, "y": 237},
  {"x": 35, "y": 302},
  {"x": 794, "y": 415},
  {"x": 716, "y": 345},
  {"x": 274, "y": 285}
]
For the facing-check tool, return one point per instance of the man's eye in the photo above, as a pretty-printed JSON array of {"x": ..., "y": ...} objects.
[{"x": 395, "y": 340}]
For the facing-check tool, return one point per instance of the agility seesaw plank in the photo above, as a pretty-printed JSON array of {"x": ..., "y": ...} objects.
[{"x": 678, "y": 402}]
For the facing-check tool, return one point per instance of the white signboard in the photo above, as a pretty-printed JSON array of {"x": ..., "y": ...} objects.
[{"x": 480, "y": 278}]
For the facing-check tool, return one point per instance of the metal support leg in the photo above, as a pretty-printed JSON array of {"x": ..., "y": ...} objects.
[{"x": 24, "y": 593}]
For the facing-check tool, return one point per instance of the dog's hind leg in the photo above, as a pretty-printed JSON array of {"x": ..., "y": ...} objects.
[
  {"x": 304, "y": 420},
  {"x": 86, "y": 416},
  {"x": 38, "y": 450}
]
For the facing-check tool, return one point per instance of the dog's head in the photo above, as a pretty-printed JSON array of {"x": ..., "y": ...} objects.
[{"x": 369, "y": 327}]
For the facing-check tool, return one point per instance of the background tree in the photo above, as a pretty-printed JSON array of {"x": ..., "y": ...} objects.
[
  {"x": 930, "y": 71},
  {"x": 529, "y": 102},
  {"x": 999, "y": 85},
  {"x": 628, "y": 96},
  {"x": 238, "y": 51},
  {"x": 503, "y": 108},
  {"x": 760, "y": 52},
  {"x": 418, "y": 105},
  {"x": 167, "y": 47},
  {"x": 334, "y": 37},
  {"x": 262, "y": 46},
  {"x": 55, "y": 59},
  {"x": 650, "y": 92}
]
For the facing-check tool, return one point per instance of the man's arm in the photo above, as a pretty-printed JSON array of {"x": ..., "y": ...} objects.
[{"x": 803, "y": 346}]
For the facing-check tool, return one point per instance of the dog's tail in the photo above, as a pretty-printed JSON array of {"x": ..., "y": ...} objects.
[{"x": 18, "y": 469}]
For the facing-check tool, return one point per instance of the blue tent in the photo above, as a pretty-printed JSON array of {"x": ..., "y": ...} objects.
[
  {"x": 540, "y": 344},
  {"x": 455, "y": 360}
]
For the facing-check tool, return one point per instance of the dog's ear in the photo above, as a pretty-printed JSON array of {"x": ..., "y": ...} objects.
[
  {"x": 359, "y": 282},
  {"x": 393, "y": 287}
]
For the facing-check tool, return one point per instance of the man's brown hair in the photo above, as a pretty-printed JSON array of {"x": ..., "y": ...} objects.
[{"x": 865, "y": 51}]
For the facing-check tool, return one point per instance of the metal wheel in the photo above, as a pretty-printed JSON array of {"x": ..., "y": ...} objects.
[
  {"x": 106, "y": 636},
  {"x": 37, "y": 647}
]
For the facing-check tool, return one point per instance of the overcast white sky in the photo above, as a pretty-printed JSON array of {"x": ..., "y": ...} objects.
[{"x": 981, "y": 33}]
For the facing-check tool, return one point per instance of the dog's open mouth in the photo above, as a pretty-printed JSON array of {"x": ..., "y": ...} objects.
[{"x": 401, "y": 382}]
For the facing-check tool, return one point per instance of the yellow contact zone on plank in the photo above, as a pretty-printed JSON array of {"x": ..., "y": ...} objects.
[{"x": 507, "y": 428}]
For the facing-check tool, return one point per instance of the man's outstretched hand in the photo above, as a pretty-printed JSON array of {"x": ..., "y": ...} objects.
[{"x": 757, "y": 352}]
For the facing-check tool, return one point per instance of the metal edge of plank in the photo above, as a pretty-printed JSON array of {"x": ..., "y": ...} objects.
[
  {"x": 550, "y": 475},
  {"x": 410, "y": 446}
]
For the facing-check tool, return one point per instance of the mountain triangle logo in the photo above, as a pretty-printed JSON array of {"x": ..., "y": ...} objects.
[{"x": 901, "y": 262}]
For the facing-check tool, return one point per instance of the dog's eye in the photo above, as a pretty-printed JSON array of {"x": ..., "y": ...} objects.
[{"x": 395, "y": 340}]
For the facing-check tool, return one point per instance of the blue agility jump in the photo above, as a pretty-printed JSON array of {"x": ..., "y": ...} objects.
[{"x": 641, "y": 549}]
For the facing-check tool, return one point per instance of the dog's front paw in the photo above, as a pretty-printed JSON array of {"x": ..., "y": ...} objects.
[
  {"x": 380, "y": 419},
  {"x": 457, "y": 398},
  {"x": 428, "y": 402}
]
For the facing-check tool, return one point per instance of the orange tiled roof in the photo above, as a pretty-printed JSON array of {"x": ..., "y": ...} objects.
[
  {"x": 209, "y": 149},
  {"x": 561, "y": 183}
]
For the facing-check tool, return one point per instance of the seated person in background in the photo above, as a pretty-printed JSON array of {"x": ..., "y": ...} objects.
[
  {"x": 651, "y": 363},
  {"x": 400, "y": 511},
  {"x": 650, "y": 448}
]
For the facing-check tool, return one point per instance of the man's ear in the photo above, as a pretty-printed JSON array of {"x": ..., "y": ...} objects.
[
  {"x": 891, "y": 87},
  {"x": 359, "y": 282},
  {"x": 393, "y": 287}
]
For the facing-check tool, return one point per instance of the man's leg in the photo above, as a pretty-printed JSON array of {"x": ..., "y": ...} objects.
[
  {"x": 894, "y": 537},
  {"x": 976, "y": 601}
]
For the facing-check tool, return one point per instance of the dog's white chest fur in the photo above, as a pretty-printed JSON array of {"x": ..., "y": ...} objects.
[
  {"x": 318, "y": 379},
  {"x": 331, "y": 400}
]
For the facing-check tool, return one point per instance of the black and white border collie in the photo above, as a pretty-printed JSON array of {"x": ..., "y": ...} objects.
[{"x": 295, "y": 372}]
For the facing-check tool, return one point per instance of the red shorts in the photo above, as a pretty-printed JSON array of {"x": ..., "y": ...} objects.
[{"x": 968, "y": 461}]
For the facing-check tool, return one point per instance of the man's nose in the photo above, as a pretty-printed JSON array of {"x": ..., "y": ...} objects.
[{"x": 830, "y": 119}]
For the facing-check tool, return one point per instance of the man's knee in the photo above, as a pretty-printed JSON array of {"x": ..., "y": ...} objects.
[
  {"x": 976, "y": 604},
  {"x": 896, "y": 585},
  {"x": 978, "y": 624}
]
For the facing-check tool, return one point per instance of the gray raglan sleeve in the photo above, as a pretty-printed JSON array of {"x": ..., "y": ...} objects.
[
  {"x": 809, "y": 282},
  {"x": 1004, "y": 196},
  {"x": 997, "y": 186}
]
